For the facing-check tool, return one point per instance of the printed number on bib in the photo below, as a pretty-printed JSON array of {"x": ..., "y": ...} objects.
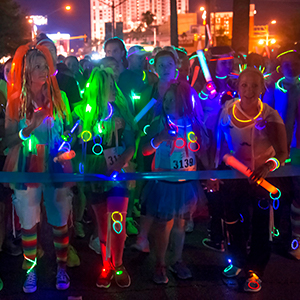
[
  {"x": 183, "y": 163},
  {"x": 112, "y": 155}
]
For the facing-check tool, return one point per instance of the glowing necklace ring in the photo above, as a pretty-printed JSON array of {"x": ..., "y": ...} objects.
[
  {"x": 189, "y": 137},
  {"x": 89, "y": 135},
  {"x": 114, "y": 227},
  {"x": 249, "y": 120},
  {"x": 118, "y": 213},
  {"x": 94, "y": 151},
  {"x": 194, "y": 150},
  {"x": 183, "y": 145}
]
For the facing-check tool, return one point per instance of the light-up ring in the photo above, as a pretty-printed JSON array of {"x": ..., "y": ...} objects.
[
  {"x": 114, "y": 213},
  {"x": 146, "y": 126},
  {"x": 275, "y": 204},
  {"x": 262, "y": 207},
  {"x": 275, "y": 232},
  {"x": 81, "y": 168},
  {"x": 279, "y": 195},
  {"x": 228, "y": 268},
  {"x": 251, "y": 287},
  {"x": 97, "y": 136},
  {"x": 114, "y": 227},
  {"x": 194, "y": 150},
  {"x": 242, "y": 218},
  {"x": 89, "y": 136},
  {"x": 295, "y": 244},
  {"x": 101, "y": 149},
  {"x": 180, "y": 147},
  {"x": 189, "y": 138}
]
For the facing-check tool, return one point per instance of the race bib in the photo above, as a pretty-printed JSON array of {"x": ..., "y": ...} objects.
[
  {"x": 182, "y": 162},
  {"x": 112, "y": 155}
]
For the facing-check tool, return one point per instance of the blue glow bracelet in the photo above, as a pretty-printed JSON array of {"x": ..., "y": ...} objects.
[{"x": 22, "y": 137}]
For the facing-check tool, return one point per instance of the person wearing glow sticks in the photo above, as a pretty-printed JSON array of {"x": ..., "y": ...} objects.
[
  {"x": 285, "y": 98},
  {"x": 255, "y": 135},
  {"x": 33, "y": 137},
  {"x": 108, "y": 145},
  {"x": 219, "y": 67},
  {"x": 177, "y": 138}
]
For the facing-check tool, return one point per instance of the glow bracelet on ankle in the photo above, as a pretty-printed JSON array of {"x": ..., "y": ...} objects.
[
  {"x": 275, "y": 161},
  {"x": 22, "y": 137},
  {"x": 33, "y": 263},
  {"x": 152, "y": 144}
]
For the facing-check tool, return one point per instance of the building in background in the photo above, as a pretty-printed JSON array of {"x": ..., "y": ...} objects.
[
  {"x": 130, "y": 14},
  {"x": 61, "y": 41}
]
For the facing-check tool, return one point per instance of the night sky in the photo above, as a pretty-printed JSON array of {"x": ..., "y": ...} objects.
[{"x": 77, "y": 21}]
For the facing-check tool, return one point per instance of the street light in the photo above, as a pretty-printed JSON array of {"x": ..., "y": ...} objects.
[
  {"x": 202, "y": 8},
  {"x": 67, "y": 8},
  {"x": 267, "y": 31}
]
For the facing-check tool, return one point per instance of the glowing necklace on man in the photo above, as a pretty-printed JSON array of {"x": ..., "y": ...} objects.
[{"x": 249, "y": 120}]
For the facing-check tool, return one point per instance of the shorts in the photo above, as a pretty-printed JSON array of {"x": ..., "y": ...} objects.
[{"x": 58, "y": 203}]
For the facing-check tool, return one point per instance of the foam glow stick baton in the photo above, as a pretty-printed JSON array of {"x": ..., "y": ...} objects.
[
  {"x": 144, "y": 110},
  {"x": 210, "y": 85},
  {"x": 236, "y": 164},
  {"x": 65, "y": 156}
]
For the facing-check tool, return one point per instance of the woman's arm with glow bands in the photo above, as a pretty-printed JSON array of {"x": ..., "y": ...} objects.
[{"x": 236, "y": 164}]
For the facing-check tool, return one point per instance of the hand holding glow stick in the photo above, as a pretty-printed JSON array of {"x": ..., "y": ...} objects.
[
  {"x": 210, "y": 84},
  {"x": 236, "y": 164}
]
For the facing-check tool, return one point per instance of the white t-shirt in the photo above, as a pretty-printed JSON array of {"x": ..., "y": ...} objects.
[{"x": 250, "y": 144}]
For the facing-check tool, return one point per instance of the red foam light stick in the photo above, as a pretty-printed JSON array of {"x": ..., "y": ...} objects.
[
  {"x": 65, "y": 156},
  {"x": 236, "y": 164}
]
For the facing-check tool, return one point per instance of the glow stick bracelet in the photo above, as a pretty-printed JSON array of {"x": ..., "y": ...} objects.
[
  {"x": 233, "y": 162},
  {"x": 71, "y": 131},
  {"x": 144, "y": 110},
  {"x": 65, "y": 156}
]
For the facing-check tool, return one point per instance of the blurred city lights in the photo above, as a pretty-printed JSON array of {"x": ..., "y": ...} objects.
[{"x": 261, "y": 42}]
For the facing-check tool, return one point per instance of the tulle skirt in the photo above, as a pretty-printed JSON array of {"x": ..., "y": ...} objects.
[{"x": 166, "y": 200}]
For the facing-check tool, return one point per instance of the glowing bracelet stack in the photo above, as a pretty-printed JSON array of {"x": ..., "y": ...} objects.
[
  {"x": 152, "y": 144},
  {"x": 22, "y": 137},
  {"x": 275, "y": 161},
  {"x": 233, "y": 162}
]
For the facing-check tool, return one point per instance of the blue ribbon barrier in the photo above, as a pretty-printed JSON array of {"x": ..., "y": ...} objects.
[{"x": 14, "y": 177}]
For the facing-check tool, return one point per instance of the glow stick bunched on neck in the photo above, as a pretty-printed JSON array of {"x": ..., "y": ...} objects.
[{"x": 236, "y": 164}]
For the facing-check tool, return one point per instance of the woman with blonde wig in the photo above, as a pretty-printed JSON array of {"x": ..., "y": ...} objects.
[{"x": 35, "y": 120}]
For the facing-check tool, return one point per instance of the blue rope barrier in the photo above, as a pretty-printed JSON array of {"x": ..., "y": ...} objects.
[{"x": 18, "y": 177}]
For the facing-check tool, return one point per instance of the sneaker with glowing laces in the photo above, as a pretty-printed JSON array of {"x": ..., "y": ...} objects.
[
  {"x": 122, "y": 278},
  {"x": 105, "y": 278}
]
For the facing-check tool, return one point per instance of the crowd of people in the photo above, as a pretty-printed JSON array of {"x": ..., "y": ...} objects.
[{"x": 138, "y": 111}]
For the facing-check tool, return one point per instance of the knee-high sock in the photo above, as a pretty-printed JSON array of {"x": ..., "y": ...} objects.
[
  {"x": 61, "y": 244},
  {"x": 29, "y": 242}
]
